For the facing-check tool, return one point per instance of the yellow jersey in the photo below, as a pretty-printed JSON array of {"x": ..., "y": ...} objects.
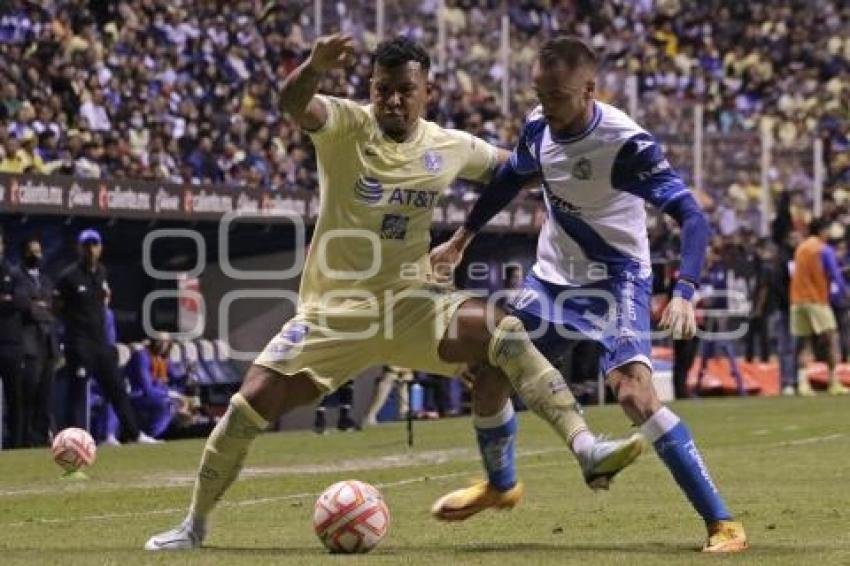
[{"x": 377, "y": 196}]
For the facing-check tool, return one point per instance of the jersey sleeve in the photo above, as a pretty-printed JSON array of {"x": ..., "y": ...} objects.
[
  {"x": 344, "y": 116},
  {"x": 522, "y": 159},
  {"x": 640, "y": 168},
  {"x": 507, "y": 181},
  {"x": 479, "y": 158},
  {"x": 833, "y": 271}
]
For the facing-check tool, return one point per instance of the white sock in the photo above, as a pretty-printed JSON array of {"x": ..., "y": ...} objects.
[
  {"x": 659, "y": 424},
  {"x": 582, "y": 444}
]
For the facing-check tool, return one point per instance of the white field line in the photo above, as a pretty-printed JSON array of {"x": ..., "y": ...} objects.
[
  {"x": 383, "y": 464},
  {"x": 247, "y": 502},
  {"x": 175, "y": 479},
  {"x": 812, "y": 440}
]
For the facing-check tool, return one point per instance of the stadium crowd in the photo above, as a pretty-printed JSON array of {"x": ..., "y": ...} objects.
[{"x": 186, "y": 91}]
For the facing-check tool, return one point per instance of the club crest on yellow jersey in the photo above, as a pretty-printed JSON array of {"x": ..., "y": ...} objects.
[{"x": 432, "y": 162}]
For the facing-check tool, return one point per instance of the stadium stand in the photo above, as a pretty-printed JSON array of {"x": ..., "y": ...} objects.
[{"x": 185, "y": 92}]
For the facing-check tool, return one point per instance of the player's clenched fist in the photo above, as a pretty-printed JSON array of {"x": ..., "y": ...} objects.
[
  {"x": 331, "y": 51},
  {"x": 444, "y": 259}
]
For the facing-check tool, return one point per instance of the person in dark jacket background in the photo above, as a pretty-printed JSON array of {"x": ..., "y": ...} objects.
[
  {"x": 82, "y": 292},
  {"x": 12, "y": 304},
  {"x": 40, "y": 346}
]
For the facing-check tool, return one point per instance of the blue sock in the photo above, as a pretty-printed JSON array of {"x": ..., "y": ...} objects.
[
  {"x": 675, "y": 445},
  {"x": 496, "y": 440}
]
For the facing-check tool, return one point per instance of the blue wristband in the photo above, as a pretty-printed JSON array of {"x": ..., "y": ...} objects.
[{"x": 684, "y": 289}]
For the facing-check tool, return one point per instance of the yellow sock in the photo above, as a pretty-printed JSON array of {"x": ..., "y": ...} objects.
[
  {"x": 535, "y": 380},
  {"x": 224, "y": 454}
]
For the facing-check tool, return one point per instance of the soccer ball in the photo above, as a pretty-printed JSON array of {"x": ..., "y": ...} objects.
[
  {"x": 351, "y": 516},
  {"x": 73, "y": 448}
]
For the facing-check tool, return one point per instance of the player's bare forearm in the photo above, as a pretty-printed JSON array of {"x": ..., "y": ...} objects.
[
  {"x": 299, "y": 88},
  {"x": 462, "y": 237},
  {"x": 297, "y": 94}
]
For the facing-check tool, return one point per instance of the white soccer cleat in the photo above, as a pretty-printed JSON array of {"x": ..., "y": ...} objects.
[
  {"x": 180, "y": 538},
  {"x": 111, "y": 440},
  {"x": 145, "y": 439},
  {"x": 608, "y": 458}
]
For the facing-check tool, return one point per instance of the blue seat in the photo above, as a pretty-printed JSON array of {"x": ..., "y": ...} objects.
[
  {"x": 206, "y": 353},
  {"x": 196, "y": 368},
  {"x": 222, "y": 351}
]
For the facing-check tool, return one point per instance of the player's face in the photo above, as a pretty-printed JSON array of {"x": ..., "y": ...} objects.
[
  {"x": 563, "y": 92},
  {"x": 91, "y": 251},
  {"x": 399, "y": 95}
]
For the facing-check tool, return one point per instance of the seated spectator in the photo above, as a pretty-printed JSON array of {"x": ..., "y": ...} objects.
[
  {"x": 149, "y": 372},
  {"x": 29, "y": 156},
  {"x": 10, "y": 158},
  {"x": 86, "y": 165}
]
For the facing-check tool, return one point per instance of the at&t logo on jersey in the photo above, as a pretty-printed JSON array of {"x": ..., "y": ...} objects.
[{"x": 368, "y": 190}]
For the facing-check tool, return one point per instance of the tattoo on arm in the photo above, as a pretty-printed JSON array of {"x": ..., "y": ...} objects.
[{"x": 297, "y": 94}]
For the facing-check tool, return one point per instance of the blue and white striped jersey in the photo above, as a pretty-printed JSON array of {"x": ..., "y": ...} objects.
[{"x": 595, "y": 184}]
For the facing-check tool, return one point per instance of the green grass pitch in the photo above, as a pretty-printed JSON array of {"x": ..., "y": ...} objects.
[{"x": 782, "y": 464}]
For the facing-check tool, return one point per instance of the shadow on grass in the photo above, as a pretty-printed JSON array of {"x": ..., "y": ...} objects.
[{"x": 527, "y": 549}]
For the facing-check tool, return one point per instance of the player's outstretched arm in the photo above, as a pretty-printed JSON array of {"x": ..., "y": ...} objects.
[
  {"x": 679, "y": 315},
  {"x": 299, "y": 88},
  {"x": 505, "y": 184},
  {"x": 641, "y": 169}
]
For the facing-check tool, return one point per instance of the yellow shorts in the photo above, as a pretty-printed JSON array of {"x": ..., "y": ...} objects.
[
  {"x": 811, "y": 318},
  {"x": 333, "y": 346}
]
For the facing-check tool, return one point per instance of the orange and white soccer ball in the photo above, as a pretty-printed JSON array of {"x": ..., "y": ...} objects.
[
  {"x": 73, "y": 448},
  {"x": 351, "y": 516}
]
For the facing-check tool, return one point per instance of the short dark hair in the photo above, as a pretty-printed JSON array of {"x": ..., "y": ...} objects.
[
  {"x": 817, "y": 225},
  {"x": 401, "y": 50},
  {"x": 571, "y": 50}
]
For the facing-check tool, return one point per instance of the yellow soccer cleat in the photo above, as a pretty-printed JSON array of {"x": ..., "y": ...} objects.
[
  {"x": 837, "y": 388},
  {"x": 608, "y": 458},
  {"x": 726, "y": 537},
  {"x": 464, "y": 503}
]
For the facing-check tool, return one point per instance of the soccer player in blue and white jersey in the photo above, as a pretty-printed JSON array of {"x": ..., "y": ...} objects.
[{"x": 592, "y": 276}]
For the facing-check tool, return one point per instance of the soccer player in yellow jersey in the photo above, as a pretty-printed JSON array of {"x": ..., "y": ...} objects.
[{"x": 367, "y": 294}]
